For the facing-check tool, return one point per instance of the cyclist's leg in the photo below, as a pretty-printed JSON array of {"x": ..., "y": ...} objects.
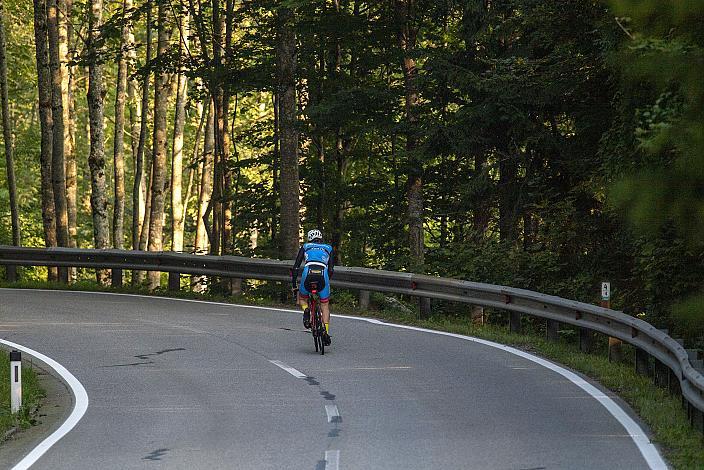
[
  {"x": 325, "y": 302},
  {"x": 303, "y": 296}
]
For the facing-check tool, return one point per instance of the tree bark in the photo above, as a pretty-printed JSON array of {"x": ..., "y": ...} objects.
[
  {"x": 206, "y": 188},
  {"x": 407, "y": 36},
  {"x": 139, "y": 209},
  {"x": 58, "y": 169},
  {"x": 118, "y": 216},
  {"x": 288, "y": 134},
  {"x": 161, "y": 97},
  {"x": 46, "y": 122},
  {"x": 67, "y": 90},
  {"x": 7, "y": 133},
  {"x": 177, "y": 209},
  {"x": 96, "y": 157}
]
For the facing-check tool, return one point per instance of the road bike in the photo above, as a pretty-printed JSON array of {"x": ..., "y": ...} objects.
[{"x": 317, "y": 327}]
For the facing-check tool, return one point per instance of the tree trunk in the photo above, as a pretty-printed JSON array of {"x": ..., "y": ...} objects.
[
  {"x": 177, "y": 210},
  {"x": 507, "y": 198},
  {"x": 139, "y": 209},
  {"x": 161, "y": 100},
  {"x": 7, "y": 133},
  {"x": 58, "y": 169},
  {"x": 118, "y": 216},
  {"x": 481, "y": 214},
  {"x": 46, "y": 123},
  {"x": 206, "y": 188},
  {"x": 70, "y": 126},
  {"x": 407, "y": 42},
  {"x": 96, "y": 157},
  {"x": 288, "y": 134}
]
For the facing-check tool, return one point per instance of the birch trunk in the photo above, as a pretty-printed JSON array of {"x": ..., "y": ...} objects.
[
  {"x": 288, "y": 135},
  {"x": 7, "y": 133},
  {"x": 96, "y": 157},
  {"x": 161, "y": 97},
  {"x": 46, "y": 123},
  {"x": 177, "y": 210}
]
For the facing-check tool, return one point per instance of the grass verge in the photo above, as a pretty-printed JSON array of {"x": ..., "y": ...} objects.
[
  {"x": 681, "y": 445},
  {"x": 32, "y": 395}
]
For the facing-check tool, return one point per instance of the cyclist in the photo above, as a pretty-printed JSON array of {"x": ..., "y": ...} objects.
[{"x": 318, "y": 266}]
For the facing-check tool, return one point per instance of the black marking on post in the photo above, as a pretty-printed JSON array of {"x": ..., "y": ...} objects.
[
  {"x": 17, "y": 374},
  {"x": 15, "y": 356}
]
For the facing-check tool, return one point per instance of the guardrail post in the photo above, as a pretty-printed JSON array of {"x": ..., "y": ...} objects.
[
  {"x": 586, "y": 340},
  {"x": 514, "y": 322},
  {"x": 696, "y": 418},
  {"x": 477, "y": 315},
  {"x": 364, "y": 300},
  {"x": 174, "y": 281},
  {"x": 551, "y": 330},
  {"x": 615, "y": 350},
  {"x": 662, "y": 375},
  {"x": 643, "y": 363},
  {"x": 116, "y": 278},
  {"x": 424, "y": 304},
  {"x": 11, "y": 273}
]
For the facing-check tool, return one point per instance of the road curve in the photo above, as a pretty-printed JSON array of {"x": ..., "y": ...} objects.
[{"x": 190, "y": 385}]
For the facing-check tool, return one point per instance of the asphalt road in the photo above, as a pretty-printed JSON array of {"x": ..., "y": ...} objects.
[{"x": 187, "y": 385}]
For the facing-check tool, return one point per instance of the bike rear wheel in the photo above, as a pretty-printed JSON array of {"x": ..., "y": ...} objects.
[{"x": 320, "y": 328}]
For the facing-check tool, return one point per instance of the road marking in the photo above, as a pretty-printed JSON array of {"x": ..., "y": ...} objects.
[
  {"x": 332, "y": 459},
  {"x": 333, "y": 414},
  {"x": 640, "y": 439},
  {"x": 79, "y": 408},
  {"x": 296, "y": 373}
]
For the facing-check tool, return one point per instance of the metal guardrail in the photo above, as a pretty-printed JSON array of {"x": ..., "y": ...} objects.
[{"x": 649, "y": 341}]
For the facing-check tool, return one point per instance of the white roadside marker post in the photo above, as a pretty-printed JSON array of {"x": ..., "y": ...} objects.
[{"x": 15, "y": 381}]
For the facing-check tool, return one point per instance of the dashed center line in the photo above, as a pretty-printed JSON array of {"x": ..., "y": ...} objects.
[
  {"x": 333, "y": 414},
  {"x": 296, "y": 373},
  {"x": 332, "y": 459}
]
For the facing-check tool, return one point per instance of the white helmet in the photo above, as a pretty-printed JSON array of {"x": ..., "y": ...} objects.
[{"x": 313, "y": 234}]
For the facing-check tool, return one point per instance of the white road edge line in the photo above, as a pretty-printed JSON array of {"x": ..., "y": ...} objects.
[
  {"x": 640, "y": 439},
  {"x": 296, "y": 373},
  {"x": 333, "y": 413},
  {"x": 647, "y": 449},
  {"x": 79, "y": 408},
  {"x": 332, "y": 459}
]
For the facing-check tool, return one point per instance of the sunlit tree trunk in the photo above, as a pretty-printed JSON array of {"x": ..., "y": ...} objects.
[
  {"x": 46, "y": 123},
  {"x": 205, "y": 192},
  {"x": 288, "y": 134},
  {"x": 96, "y": 157},
  {"x": 7, "y": 133},
  {"x": 58, "y": 169},
  {"x": 64, "y": 7},
  {"x": 139, "y": 209},
  {"x": 158, "y": 182},
  {"x": 119, "y": 138},
  {"x": 177, "y": 209}
]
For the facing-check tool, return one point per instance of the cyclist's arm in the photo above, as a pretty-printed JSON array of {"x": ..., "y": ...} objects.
[
  {"x": 296, "y": 265},
  {"x": 331, "y": 263}
]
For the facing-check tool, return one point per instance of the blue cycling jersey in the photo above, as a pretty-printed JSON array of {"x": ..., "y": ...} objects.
[{"x": 317, "y": 253}]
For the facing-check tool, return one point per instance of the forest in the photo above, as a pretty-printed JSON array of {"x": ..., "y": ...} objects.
[{"x": 542, "y": 144}]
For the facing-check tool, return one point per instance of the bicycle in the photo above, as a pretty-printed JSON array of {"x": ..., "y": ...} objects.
[{"x": 317, "y": 327}]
